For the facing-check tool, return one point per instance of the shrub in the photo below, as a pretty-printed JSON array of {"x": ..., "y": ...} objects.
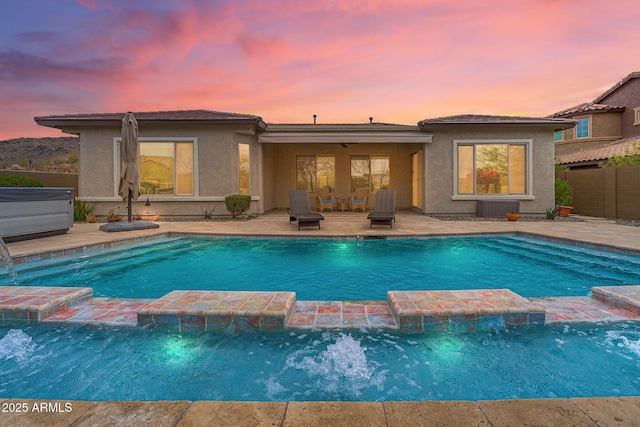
[
  {"x": 207, "y": 213},
  {"x": 237, "y": 204},
  {"x": 82, "y": 209},
  {"x": 551, "y": 212},
  {"x": 564, "y": 193},
  {"x": 19, "y": 181}
]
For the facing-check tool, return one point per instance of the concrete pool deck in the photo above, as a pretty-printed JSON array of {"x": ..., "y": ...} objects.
[{"x": 594, "y": 411}]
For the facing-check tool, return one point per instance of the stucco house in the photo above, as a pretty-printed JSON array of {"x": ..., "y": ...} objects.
[
  {"x": 607, "y": 126},
  {"x": 190, "y": 160}
]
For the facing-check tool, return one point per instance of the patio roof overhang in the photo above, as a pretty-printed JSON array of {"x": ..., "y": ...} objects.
[
  {"x": 74, "y": 123},
  {"x": 344, "y": 134}
]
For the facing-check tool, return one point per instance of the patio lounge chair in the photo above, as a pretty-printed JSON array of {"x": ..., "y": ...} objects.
[
  {"x": 300, "y": 209},
  {"x": 385, "y": 211},
  {"x": 324, "y": 199}
]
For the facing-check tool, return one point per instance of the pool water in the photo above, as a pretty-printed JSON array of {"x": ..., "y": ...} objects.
[
  {"x": 336, "y": 270},
  {"x": 49, "y": 362}
]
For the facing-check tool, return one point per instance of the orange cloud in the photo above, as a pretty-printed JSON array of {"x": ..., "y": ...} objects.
[{"x": 344, "y": 60}]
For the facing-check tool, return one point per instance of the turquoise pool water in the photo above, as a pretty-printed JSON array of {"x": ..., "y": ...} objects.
[
  {"x": 336, "y": 270},
  {"x": 48, "y": 362}
]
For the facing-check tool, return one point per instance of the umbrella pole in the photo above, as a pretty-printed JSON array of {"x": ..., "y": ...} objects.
[{"x": 129, "y": 206}]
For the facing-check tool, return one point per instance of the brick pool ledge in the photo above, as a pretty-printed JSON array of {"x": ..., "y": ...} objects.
[{"x": 410, "y": 312}]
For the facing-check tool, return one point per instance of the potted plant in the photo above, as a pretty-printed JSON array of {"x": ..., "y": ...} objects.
[
  {"x": 513, "y": 216},
  {"x": 564, "y": 197}
]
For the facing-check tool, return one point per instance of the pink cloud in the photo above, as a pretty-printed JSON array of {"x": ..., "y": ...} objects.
[{"x": 344, "y": 60}]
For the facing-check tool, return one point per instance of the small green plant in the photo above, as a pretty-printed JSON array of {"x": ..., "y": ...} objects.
[
  {"x": 237, "y": 204},
  {"x": 81, "y": 209},
  {"x": 19, "y": 181},
  {"x": 559, "y": 166},
  {"x": 207, "y": 213},
  {"x": 564, "y": 193},
  {"x": 551, "y": 212}
]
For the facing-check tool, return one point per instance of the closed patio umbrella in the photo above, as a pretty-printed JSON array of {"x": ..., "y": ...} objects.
[{"x": 129, "y": 179}]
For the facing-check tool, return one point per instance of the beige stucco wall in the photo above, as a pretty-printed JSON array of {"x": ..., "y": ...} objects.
[
  {"x": 439, "y": 180},
  {"x": 280, "y": 168},
  {"x": 216, "y": 168},
  {"x": 605, "y": 127},
  {"x": 273, "y": 168}
]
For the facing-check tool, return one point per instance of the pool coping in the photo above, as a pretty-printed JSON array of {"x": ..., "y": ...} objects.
[
  {"x": 17, "y": 259},
  {"x": 413, "y": 312}
]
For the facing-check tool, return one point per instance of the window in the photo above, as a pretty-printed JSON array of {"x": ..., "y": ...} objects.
[
  {"x": 315, "y": 172},
  {"x": 582, "y": 128},
  {"x": 166, "y": 168},
  {"x": 636, "y": 116},
  {"x": 491, "y": 168},
  {"x": 243, "y": 169},
  {"x": 370, "y": 172},
  {"x": 557, "y": 136}
]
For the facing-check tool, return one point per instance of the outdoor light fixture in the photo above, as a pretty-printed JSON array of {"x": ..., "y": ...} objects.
[{"x": 147, "y": 203}]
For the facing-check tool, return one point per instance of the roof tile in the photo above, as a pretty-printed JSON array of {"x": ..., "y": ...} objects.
[
  {"x": 601, "y": 152},
  {"x": 488, "y": 119},
  {"x": 158, "y": 115},
  {"x": 587, "y": 108}
]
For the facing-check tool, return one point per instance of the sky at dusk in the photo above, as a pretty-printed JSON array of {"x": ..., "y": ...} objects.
[{"x": 397, "y": 61}]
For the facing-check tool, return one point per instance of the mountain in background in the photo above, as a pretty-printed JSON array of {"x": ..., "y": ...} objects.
[{"x": 40, "y": 154}]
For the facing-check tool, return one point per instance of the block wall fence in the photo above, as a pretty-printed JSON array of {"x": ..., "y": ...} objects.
[{"x": 612, "y": 192}]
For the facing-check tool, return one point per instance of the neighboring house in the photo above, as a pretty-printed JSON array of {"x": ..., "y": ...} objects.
[
  {"x": 190, "y": 160},
  {"x": 610, "y": 125}
]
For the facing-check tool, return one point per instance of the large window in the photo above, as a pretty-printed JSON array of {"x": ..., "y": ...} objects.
[
  {"x": 243, "y": 168},
  {"x": 582, "y": 128},
  {"x": 316, "y": 172},
  {"x": 491, "y": 168},
  {"x": 166, "y": 168},
  {"x": 370, "y": 172}
]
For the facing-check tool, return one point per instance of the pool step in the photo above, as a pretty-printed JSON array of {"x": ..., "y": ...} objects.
[
  {"x": 463, "y": 311},
  {"x": 411, "y": 312},
  {"x": 342, "y": 315},
  {"x": 99, "y": 312},
  {"x": 624, "y": 297},
  {"x": 33, "y": 304},
  {"x": 219, "y": 311}
]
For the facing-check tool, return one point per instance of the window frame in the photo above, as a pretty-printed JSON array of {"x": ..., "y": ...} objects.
[
  {"x": 636, "y": 116},
  {"x": 558, "y": 136},
  {"x": 577, "y": 128},
  {"x": 528, "y": 176},
  {"x": 315, "y": 182},
  {"x": 370, "y": 158},
  {"x": 248, "y": 147},
  {"x": 117, "y": 166}
]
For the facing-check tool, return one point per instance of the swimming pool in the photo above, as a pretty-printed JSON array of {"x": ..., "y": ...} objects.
[
  {"x": 335, "y": 270},
  {"x": 49, "y": 362}
]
